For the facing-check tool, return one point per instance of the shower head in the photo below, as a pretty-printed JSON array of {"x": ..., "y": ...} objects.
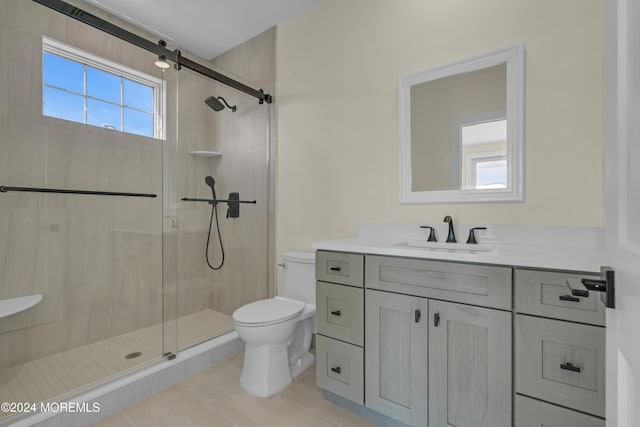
[{"x": 215, "y": 104}]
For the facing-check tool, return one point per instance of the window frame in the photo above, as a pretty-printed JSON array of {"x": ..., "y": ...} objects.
[
  {"x": 122, "y": 71},
  {"x": 472, "y": 161}
]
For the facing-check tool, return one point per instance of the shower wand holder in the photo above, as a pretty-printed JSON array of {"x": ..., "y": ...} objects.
[{"x": 233, "y": 202}]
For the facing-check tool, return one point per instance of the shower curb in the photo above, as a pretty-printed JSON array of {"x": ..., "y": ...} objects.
[{"x": 124, "y": 392}]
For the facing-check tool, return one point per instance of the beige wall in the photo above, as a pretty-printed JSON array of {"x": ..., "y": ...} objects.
[{"x": 338, "y": 67}]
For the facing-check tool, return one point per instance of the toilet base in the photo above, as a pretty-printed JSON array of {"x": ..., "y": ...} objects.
[
  {"x": 301, "y": 364},
  {"x": 265, "y": 370}
]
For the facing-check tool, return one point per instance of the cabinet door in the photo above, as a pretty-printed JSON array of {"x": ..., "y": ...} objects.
[
  {"x": 396, "y": 356},
  {"x": 469, "y": 366}
]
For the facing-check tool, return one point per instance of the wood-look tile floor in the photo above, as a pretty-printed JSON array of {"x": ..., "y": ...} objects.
[
  {"x": 73, "y": 370},
  {"x": 214, "y": 398}
]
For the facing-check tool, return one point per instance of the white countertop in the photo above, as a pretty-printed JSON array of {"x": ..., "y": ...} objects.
[{"x": 582, "y": 258}]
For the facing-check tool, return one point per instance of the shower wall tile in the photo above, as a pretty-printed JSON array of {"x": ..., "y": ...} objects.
[
  {"x": 4, "y": 63},
  {"x": 88, "y": 39},
  {"x": 27, "y": 159},
  {"x": 253, "y": 61},
  {"x": 87, "y": 157},
  {"x": 25, "y": 88},
  {"x": 29, "y": 260},
  {"x": 4, "y": 155},
  {"x": 35, "y": 19}
]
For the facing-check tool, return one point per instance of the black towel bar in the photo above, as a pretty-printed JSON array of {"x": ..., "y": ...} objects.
[{"x": 4, "y": 189}]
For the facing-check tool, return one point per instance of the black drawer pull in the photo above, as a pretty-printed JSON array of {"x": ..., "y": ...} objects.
[
  {"x": 580, "y": 293},
  {"x": 335, "y": 268},
  {"x": 568, "y": 298},
  {"x": 570, "y": 367},
  {"x": 416, "y": 316},
  {"x": 336, "y": 313},
  {"x": 436, "y": 320},
  {"x": 337, "y": 369}
]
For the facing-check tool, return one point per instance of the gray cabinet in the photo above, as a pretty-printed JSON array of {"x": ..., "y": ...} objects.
[
  {"x": 340, "y": 324},
  {"x": 561, "y": 362},
  {"x": 340, "y": 312},
  {"x": 476, "y": 284},
  {"x": 340, "y": 267},
  {"x": 430, "y": 343},
  {"x": 339, "y": 368},
  {"x": 559, "y": 351},
  {"x": 548, "y": 294},
  {"x": 534, "y": 413},
  {"x": 396, "y": 356},
  {"x": 469, "y": 366},
  {"x": 437, "y": 363}
]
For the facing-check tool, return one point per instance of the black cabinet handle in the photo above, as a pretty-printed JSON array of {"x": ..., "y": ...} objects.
[
  {"x": 336, "y": 313},
  {"x": 570, "y": 367},
  {"x": 580, "y": 293},
  {"x": 335, "y": 268},
  {"x": 436, "y": 319},
  {"x": 568, "y": 298},
  {"x": 416, "y": 315},
  {"x": 337, "y": 370}
]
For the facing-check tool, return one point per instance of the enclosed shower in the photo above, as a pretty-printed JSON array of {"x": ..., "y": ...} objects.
[{"x": 102, "y": 226}]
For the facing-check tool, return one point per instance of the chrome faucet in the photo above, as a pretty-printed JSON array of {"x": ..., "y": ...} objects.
[{"x": 451, "y": 238}]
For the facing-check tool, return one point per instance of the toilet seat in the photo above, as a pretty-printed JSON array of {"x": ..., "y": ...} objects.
[{"x": 268, "y": 312}]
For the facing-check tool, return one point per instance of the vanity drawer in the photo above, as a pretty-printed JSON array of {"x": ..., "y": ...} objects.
[
  {"x": 339, "y": 368},
  {"x": 340, "y": 312},
  {"x": 548, "y": 294},
  {"x": 561, "y": 362},
  {"x": 340, "y": 267},
  {"x": 533, "y": 413},
  {"x": 483, "y": 285}
]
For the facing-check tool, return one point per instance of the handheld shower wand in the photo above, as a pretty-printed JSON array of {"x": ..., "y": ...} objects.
[{"x": 211, "y": 183}]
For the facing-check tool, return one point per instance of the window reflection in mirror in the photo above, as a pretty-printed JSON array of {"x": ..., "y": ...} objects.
[{"x": 484, "y": 155}]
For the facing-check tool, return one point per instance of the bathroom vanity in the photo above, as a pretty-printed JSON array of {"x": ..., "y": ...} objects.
[{"x": 455, "y": 338}]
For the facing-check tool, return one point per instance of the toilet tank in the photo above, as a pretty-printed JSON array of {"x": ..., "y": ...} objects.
[{"x": 298, "y": 276}]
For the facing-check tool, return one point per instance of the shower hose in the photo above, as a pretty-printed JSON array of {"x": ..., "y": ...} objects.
[{"x": 214, "y": 212}]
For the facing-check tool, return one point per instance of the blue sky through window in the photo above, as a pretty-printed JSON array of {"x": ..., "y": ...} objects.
[{"x": 82, "y": 93}]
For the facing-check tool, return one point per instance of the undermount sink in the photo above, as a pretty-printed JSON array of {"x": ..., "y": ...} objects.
[{"x": 458, "y": 247}]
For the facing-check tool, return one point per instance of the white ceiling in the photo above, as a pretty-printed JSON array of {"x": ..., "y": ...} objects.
[{"x": 205, "y": 27}]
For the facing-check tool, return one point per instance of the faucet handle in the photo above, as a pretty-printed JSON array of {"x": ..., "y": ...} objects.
[
  {"x": 472, "y": 235},
  {"x": 432, "y": 233}
]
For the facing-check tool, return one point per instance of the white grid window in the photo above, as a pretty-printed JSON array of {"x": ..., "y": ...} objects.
[{"x": 82, "y": 87}]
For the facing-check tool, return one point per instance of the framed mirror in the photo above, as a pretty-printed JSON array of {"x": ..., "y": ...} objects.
[{"x": 462, "y": 131}]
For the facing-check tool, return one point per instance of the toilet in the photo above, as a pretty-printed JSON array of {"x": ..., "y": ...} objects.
[{"x": 277, "y": 331}]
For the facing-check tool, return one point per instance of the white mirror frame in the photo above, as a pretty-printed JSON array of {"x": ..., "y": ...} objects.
[{"x": 514, "y": 58}]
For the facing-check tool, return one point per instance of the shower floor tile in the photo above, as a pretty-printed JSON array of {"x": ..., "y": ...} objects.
[{"x": 68, "y": 372}]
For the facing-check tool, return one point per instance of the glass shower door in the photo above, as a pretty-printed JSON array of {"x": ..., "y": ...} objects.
[
  {"x": 232, "y": 147},
  {"x": 95, "y": 259}
]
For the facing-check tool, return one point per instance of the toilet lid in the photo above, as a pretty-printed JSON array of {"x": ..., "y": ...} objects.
[{"x": 267, "y": 311}]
